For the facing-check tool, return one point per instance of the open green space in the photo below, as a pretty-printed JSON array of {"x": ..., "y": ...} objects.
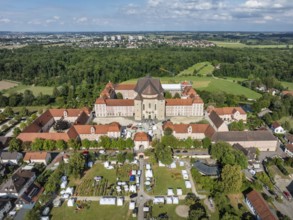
[
  {"x": 288, "y": 85},
  {"x": 45, "y": 90},
  {"x": 288, "y": 119},
  {"x": 166, "y": 178},
  {"x": 236, "y": 44},
  {"x": 203, "y": 68},
  {"x": 86, "y": 185},
  {"x": 95, "y": 211},
  {"x": 168, "y": 209},
  {"x": 210, "y": 84}
]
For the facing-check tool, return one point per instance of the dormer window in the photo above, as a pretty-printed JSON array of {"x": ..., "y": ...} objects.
[
  {"x": 93, "y": 130},
  {"x": 65, "y": 113},
  {"x": 189, "y": 130}
]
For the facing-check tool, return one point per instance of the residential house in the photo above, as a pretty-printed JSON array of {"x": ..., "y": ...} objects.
[
  {"x": 37, "y": 157},
  {"x": 5, "y": 207},
  {"x": 194, "y": 131},
  {"x": 277, "y": 128},
  {"x": 263, "y": 140},
  {"x": 10, "y": 157},
  {"x": 216, "y": 122},
  {"x": 4, "y": 142},
  {"x": 288, "y": 148},
  {"x": 289, "y": 138},
  {"x": 141, "y": 141},
  {"x": 29, "y": 197},
  {"x": 250, "y": 152},
  {"x": 229, "y": 114},
  {"x": 259, "y": 207},
  {"x": 17, "y": 184}
]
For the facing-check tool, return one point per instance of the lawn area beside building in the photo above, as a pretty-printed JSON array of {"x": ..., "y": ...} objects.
[
  {"x": 170, "y": 210},
  {"x": 168, "y": 178},
  {"x": 95, "y": 211}
]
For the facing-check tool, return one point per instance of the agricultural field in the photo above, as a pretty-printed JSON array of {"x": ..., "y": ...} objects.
[
  {"x": 211, "y": 84},
  {"x": 167, "y": 178},
  {"x": 231, "y": 44},
  {"x": 45, "y": 90},
  {"x": 86, "y": 185},
  {"x": 4, "y": 84},
  {"x": 94, "y": 211},
  {"x": 203, "y": 69}
]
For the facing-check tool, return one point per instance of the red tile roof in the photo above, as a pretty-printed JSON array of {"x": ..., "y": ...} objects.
[
  {"x": 99, "y": 129},
  {"x": 141, "y": 136},
  {"x": 30, "y": 137},
  {"x": 119, "y": 102},
  {"x": 289, "y": 147},
  {"x": 275, "y": 124},
  {"x": 260, "y": 205},
  {"x": 227, "y": 110},
  {"x": 287, "y": 92},
  {"x": 196, "y": 128},
  {"x": 35, "y": 156},
  {"x": 124, "y": 86},
  {"x": 100, "y": 101}
]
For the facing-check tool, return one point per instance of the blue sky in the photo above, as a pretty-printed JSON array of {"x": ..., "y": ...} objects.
[{"x": 146, "y": 15}]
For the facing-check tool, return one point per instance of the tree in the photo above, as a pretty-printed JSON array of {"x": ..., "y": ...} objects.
[
  {"x": 196, "y": 213},
  {"x": 76, "y": 164},
  {"x": 169, "y": 141},
  {"x": 121, "y": 157},
  {"x": 129, "y": 144},
  {"x": 15, "y": 145},
  {"x": 16, "y": 131},
  {"x": 37, "y": 144},
  {"x": 105, "y": 142},
  {"x": 206, "y": 142},
  {"x": 163, "y": 153},
  {"x": 176, "y": 96},
  {"x": 49, "y": 145},
  {"x": 231, "y": 179},
  {"x": 8, "y": 112},
  {"x": 168, "y": 131},
  {"x": 86, "y": 144},
  {"x": 73, "y": 144},
  {"x": 119, "y": 95},
  {"x": 24, "y": 112},
  {"x": 190, "y": 199},
  {"x": 168, "y": 95},
  {"x": 130, "y": 157},
  {"x": 61, "y": 145},
  {"x": 32, "y": 214}
]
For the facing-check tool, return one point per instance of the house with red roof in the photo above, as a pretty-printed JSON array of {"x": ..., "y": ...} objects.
[
  {"x": 229, "y": 114},
  {"x": 277, "y": 128},
  {"x": 141, "y": 141}
]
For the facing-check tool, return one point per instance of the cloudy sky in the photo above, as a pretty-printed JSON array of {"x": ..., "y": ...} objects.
[{"x": 146, "y": 15}]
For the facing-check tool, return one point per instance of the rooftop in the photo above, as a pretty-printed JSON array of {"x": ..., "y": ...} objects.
[
  {"x": 243, "y": 136},
  {"x": 35, "y": 156},
  {"x": 206, "y": 169},
  {"x": 141, "y": 136},
  {"x": 215, "y": 118},
  {"x": 228, "y": 110}
]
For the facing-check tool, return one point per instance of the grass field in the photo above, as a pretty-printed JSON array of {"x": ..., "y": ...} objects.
[
  {"x": 210, "y": 84},
  {"x": 288, "y": 85},
  {"x": 4, "y": 84},
  {"x": 95, "y": 211},
  {"x": 241, "y": 45},
  {"x": 202, "y": 68},
  {"x": 35, "y": 89},
  {"x": 169, "y": 209},
  {"x": 168, "y": 178}
]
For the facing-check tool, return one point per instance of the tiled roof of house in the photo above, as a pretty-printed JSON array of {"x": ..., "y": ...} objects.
[
  {"x": 229, "y": 110},
  {"x": 287, "y": 92},
  {"x": 289, "y": 137},
  {"x": 289, "y": 147},
  {"x": 124, "y": 86},
  {"x": 30, "y": 137},
  {"x": 235, "y": 136},
  {"x": 260, "y": 205},
  {"x": 98, "y": 129},
  {"x": 35, "y": 156},
  {"x": 141, "y": 136},
  {"x": 189, "y": 91},
  {"x": 195, "y": 128},
  {"x": 148, "y": 86},
  {"x": 119, "y": 102},
  {"x": 215, "y": 118},
  {"x": 9, "y": 155},
  {"x": 4, "y": 141},
  {"x": 275, "y": 124}
]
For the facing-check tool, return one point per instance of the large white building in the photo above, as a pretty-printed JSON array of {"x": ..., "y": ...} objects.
[{"x": 145, "y": 100}]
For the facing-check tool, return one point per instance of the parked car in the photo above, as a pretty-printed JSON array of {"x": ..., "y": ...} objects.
[
  {"x": 185, "y": 151},
  {"x": 287, "y": 195},
  {"x": 177, "y": 151},
  {"x": 133, "y": 195},
  {"x": 46, "y": 211}
]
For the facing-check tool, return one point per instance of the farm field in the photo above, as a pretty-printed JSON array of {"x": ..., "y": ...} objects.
[
  {"x": 203, "y": 68},
  {"x": 241, "y": 45},
  {"x": 210, "y": 84},
  {"x": 168, "y": 178},
  {"x": 86, "y": 185},
  {"x": 95, "y": 211},
  {"x": 4, "y": 84},
  {"x": 35, "y": 89}
]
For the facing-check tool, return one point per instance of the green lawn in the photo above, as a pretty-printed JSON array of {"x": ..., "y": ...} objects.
[
  {"x": 168, "y": 178},
  {"x": 202, "y": 68},
  {"x": 95, "y": 211},
  {"x": 35, "y": 89},
  {"x": 211, "y": 84},
  {"x": 288, "y": 85},
  {"x": 230, "y": 44},
  {"x": 169, "y": 209}
]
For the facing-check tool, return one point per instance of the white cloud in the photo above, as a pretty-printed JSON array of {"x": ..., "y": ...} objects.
[
  {"x": 267, "y": 17},
  {"x": 56, "y": 17},
  {"x": 4, "y": 20},
  {"x": 81, "y": 19}
]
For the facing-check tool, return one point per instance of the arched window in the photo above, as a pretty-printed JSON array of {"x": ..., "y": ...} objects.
[{"x": 65, "y": 113}]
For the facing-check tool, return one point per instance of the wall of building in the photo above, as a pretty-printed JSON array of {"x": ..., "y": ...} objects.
[
  {"x": 198, "y": 136},
  {"x": 127, "y": 94},
  {"x": 185, "y": 110},
  {"x": 261, "y": 145},
  {"x": 137, "y": 144}
]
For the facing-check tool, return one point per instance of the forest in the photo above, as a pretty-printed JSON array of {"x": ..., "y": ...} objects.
[{"x": 55, "y": 66}]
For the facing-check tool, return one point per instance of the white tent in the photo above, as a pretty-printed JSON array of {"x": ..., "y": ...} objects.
[
  {"x": 159, "y": 199},
  {"x": 133, "y": 172},
  {"x": 187, "y": 184},
  {"x": 149, "y": 173},
  {"x": 169, "y": 200},
  {"x": 139, "y": 172},
  {"x": 179, "y": 192},
  {"x": 106, "y": 164},
  {"x": 146, "y": 209},
  {"x": 63, "y": 178},
  {"x": 147, "y": 183},
  {"x": 173, "y": 165},
  {"x": 132, "y": 188},
  {"x": 69, "y": 190},
  {"x": 70, "y": 202},
  {"x": 132, "y": 205},
  {"x": 175, "y": 200},
  {"x": 108, "y": 201},
  {"x": 161, "y": 164},
  {"x": 184, "y": 174},
  {"x": 181, "y": 163},
  {"x": 63, "y": 185},
  {"x": 148, "y": 166},
  {"x": 120, "y": 201},
  {"x": 170, "y": 192}
]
